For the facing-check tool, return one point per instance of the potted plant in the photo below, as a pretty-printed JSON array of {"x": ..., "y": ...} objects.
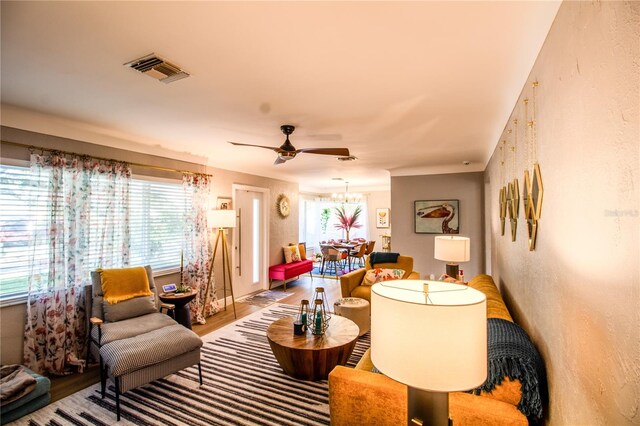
[
  {"x": 348, "y": 221},
  {"x": 182, "y": 289}
]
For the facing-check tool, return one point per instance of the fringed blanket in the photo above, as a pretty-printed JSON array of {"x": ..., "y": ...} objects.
[
  {"x": 512, "y": 354},
  {"x": 383, "y": 257}
]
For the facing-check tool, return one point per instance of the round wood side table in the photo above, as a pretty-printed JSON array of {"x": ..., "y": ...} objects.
[
  {"x": 309, "y": 356},
  {"x": 181, "y": 302}
]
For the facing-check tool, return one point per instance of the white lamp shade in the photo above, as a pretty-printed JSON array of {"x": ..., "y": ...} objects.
[
  {"x": 438, "y": 346},
  {"x": 221, "y": 218},
  {"x": 452, "y": 249}
]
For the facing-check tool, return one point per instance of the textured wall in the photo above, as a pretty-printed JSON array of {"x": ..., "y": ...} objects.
[
  {"x": 578, "y": 293},
  {"x": 466, "y": 187}
]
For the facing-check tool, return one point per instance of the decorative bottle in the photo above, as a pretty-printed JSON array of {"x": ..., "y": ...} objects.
[
  {"x": 320, "y": 294},
  {"x": 318, "y": 322},
  {"x": 303, "y": 314}
]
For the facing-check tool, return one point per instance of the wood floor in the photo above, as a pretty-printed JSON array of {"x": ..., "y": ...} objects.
[{"x": 299, "y": 289}]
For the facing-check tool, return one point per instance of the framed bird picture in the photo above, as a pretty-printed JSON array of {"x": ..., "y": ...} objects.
[{"x": 437, "y": 216}]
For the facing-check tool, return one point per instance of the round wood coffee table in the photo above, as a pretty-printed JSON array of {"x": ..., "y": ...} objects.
[{"x": 311, "y": 357}]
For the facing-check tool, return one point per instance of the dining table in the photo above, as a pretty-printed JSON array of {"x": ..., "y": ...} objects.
[{"x": 348, "y": 246}]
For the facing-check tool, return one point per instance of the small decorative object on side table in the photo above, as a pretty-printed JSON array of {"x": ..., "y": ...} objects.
[
  {"x": 319, "y": 293},
  {"x": 181, "y": 301},
  {"x": 318, "y": 323},
  {"x": 302, "y": 318}
]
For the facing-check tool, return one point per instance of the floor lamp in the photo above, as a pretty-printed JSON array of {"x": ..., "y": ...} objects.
[
  {"x": 222, "y": 220},
  {"x": 431, "y": 336}
]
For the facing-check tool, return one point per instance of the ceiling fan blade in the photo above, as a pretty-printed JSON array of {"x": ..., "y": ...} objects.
[
  {"x": 340, "y": 152},
  {"x": 278, "y": 161},
  {"x": 273, "y": 148}
]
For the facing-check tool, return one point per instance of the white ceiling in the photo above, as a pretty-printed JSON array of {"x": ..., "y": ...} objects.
[{"x": 409, "y": 88}]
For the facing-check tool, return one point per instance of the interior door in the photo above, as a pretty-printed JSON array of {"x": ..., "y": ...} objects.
[{"x": 250, "y": 245}]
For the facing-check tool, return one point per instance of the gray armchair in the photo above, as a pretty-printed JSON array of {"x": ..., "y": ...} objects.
[{"x": 134, "y": 341}]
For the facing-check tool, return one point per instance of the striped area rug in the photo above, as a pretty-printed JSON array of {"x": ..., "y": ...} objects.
[{"x": 243, "y": 385}]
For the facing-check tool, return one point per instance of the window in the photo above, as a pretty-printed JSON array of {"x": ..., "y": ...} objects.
[
  {"x": 156, "y": 210},
  {"x": 318, "y": 221},
  {"x": 21, "y": 211}
]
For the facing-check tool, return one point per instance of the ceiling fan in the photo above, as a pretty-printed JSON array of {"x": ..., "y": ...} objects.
[{"x": 287, "y": 151}]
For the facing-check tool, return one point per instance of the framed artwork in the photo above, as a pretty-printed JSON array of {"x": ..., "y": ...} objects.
[
  {"x": 437, "y": 216},
  {"x": 224, "y": 203},
  {"x": 382, "y": 218}
]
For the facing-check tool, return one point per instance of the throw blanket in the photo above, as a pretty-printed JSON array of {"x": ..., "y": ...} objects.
[
  {"x": 14, "y": 383},
  {"x": 512, "y": 354},
  {"x": 123, "y": 284},
  {"x": 383, "y": 257}
]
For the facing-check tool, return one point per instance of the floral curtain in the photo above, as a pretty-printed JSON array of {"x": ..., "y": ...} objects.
[
  {"x": 82, "y": 224},
  {"x": 196, "y": 251}
]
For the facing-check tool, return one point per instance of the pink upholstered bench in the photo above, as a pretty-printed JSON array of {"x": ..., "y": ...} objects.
[{"x": 285, "y": 271}]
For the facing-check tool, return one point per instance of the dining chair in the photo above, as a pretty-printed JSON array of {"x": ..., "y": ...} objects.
[
  {"x": 370, "y": 246},
  {"x": 331, "y": 258},
  {"x": 358, "y": 253}
]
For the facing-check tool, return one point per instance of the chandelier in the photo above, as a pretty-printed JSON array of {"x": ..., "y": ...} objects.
[{"x": 346, "y": 196}]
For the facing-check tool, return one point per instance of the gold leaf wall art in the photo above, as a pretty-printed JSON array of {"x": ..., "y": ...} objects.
[{"x": 533, "y": 191}]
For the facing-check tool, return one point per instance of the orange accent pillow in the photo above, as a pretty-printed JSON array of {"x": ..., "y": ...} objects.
[{"x": 123, "y": 284}]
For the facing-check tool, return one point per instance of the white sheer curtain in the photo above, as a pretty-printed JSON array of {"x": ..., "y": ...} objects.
[
  {"x": 196, "y": 250},
  {"x": 81, "y": 223}
]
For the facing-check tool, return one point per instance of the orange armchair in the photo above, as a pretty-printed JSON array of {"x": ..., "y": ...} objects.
[{"x": 351, "y": 284}]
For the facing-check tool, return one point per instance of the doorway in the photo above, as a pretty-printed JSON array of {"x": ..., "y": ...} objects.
[{"x": 250, "y": 239}]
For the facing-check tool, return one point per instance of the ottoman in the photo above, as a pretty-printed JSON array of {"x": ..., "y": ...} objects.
[
  {"x": 357, "y": 310},
  {"x": 138, "y": 360}
]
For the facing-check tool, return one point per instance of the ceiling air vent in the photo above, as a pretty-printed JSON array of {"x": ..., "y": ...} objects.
[{"x": 156, "y": 67}]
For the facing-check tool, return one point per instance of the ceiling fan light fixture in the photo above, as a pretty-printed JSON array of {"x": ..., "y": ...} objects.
[
  {"x": 287, "y": 151},
  {"x": 286, "y": 155}
]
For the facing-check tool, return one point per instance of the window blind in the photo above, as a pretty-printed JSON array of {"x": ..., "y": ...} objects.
[{"x": 156, "y": 211}]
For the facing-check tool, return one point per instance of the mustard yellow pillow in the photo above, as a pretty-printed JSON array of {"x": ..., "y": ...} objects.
[
  {"x": 301, "y": 249},
  {"x": 124, "y": 284}
]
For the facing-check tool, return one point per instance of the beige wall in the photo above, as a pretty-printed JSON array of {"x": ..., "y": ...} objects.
[
  {"x": 378, "y": 200},
  {"x": 466, "y": 187},
  {"x": 281, "y": 231},
  {"x": 12, "y": 319},
  {"x": 578, "y": 293}
]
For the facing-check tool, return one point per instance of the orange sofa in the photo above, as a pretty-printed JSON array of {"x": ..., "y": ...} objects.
[{"x": 358, "y": 396}]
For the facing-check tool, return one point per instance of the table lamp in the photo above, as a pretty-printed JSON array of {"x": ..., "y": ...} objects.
[
  {"x": 452, "y": 250},
  {"x": 435, "y": 342},
  {"x": 222, "y": 220}
]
